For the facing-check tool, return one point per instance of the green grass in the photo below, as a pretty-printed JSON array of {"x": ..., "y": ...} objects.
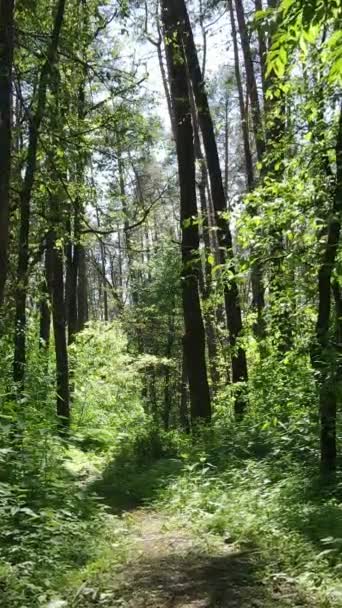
[
  {"x": 274, "y": 508},
  {"x": 295, "y": 530}
]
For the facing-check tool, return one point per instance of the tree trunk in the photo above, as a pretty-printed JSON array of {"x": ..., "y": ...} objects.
[
  {"x": 194, "y": 339},
  {"x": 71, "y": 279},
  {"x": 231, "y": 295},
  {"x": 262, "y": 48},
  {"x": 258, "y": 298},
  {"x": 25, "y": 201},
  {"x": 82, "y": 289},
  {"x": 183, "y": 408},
  {"x": 324, "y": 355},
  {"x": 250, "y": 79},
  {"x": 59, "y": 326},
  {"x": 242, "y": 106},
  {"x": 45, "y": 302},
  {"x": 6, "y": 61},
  {"x": 167, "y": 387},
  {"x": 206, "y": 282}
]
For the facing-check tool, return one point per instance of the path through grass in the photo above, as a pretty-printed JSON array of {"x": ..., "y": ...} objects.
[{"x": 152, "y": 554}]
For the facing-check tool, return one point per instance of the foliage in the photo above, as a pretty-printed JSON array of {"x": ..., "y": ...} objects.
[
  {"x": 101, "y": 291},
  {"x": 107, "y": 404}
]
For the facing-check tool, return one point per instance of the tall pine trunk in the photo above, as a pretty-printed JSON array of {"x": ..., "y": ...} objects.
[
  {"x": 194, "y": 338},
  {"x": 82, "y": 289},
  {"x": 324, "y": 353},
  {"x": 45, "y": 300},
  {"x": 231, "y": 294},
  {"x": 251, "y": 81},
  {"x": 6, "y": 60},
  {"x": 59, "y": 327},
  {"x": 258, "y": 297}
]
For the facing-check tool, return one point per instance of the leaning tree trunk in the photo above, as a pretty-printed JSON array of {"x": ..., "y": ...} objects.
[
  {"x": 206, "y": 270},
  {"x": 258, "y": 301},
  {"x": 25, "y": 200},
  {"x": 6, "y": 60},
  {"x": 231, "y": 294},
  {"x": 194, "y": 339}
]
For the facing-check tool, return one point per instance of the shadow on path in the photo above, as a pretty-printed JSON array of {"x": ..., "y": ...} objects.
[
  {"x": 170, "y": 568},
  {"x": 193, "y": 579},
  {"x": 198, "y": 580},
  {"x": 124, "y": 486}
]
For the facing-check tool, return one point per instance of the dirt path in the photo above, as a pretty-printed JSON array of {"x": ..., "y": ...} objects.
[{"x": 171, "y": 567}]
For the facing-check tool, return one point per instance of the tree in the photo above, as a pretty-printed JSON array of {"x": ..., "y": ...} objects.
[
  {"x": 325, "y": 355},
  {"x": 6, "y": 60},
  {"x": 35, "y": 122},
  {"x": 231, "y": 293},
  {"x": 194, "y": 338},
  {"x": 252, "y": 88}
]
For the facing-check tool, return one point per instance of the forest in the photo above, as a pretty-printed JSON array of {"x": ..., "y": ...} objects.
[{"x": 170, "y": 303}]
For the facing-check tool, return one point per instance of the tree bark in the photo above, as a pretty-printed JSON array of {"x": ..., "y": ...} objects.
[
  {"x": 59, "y": 326},
  {"x": 324, "y": 354},
  {"x": 262, "y": 48},
  {"x": 258, "y": 297},
  {"x": 206, "y": 282},
  {"x": 25, "y": 200},
  {"x": 194, "y": 338},
  {"x": 252, "y": 88},
  {"x": 6, "y": 61},
  {"x": 167, "y": 379},
  {"x": 231, "y": 294},
  {"x": 45, "y": 302},
  {"x": 183, "y": 406},
  {"x": 82, "y": 289}
]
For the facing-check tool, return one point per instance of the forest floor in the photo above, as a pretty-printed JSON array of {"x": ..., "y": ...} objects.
[
  {"x": 170, "y": 568},
  {"x": 157, "y": 560}
]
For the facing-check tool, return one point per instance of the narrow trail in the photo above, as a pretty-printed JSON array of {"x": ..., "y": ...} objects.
[{"x": 171, "y": 567}]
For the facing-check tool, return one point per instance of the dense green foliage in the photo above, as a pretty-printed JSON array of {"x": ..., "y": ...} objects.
[{"x": 170, "y": 294}]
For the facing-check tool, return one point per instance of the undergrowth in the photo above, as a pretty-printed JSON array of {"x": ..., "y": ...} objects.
[{"x": 65, "y": 503}]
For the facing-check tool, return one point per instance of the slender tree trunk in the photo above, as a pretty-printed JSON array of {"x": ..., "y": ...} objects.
[
  {"x": 258, "y": 296},
  {"x": 338, "y": 314},
  {"x": 44, "y": 319},
  {"x": 131, "y": 275},
  {"x": 206, "y": 282},
  {"x": 59, "y": 326},
  {"x": 252, "y": 88},
  {"x": 72, "y": 296},
  {"x": 167, "y": 379},
  {"x": 71, "y": 277},
  {"x": 6, "y": 60},
  {"x": 262, "y": 48},
  {"x": 68, "y": 270},
  {"x": 243, "y": 114},
  {"x": 324, "y": 354},
  {"x": 194, "y": 339},
  {"x": 231, "y": 294},
  {"x": 45, "y": 302},
  {"x": 82, "y": 289},
  {"x": 25, "y": 200},
  {"x": 183, "y": 408},
  {"x": 226, "y": 150},
  {"x": 105, "y": 293},
  {"x": 103, "y": 270}
]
